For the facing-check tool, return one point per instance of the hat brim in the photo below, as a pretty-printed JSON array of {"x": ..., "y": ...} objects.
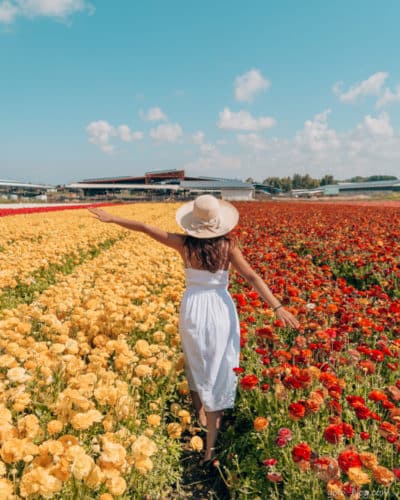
[{"x": 229, "y": 217}]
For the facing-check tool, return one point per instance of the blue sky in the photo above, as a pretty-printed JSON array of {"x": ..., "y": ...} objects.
[{"x": 224, "y": 88}]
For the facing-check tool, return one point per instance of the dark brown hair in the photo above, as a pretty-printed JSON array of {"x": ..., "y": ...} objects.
[{"x": 208, "y": 251}]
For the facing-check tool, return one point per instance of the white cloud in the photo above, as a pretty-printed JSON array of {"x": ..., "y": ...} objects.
[
  {"x": 100, "y": 133},
  {"x": 377, "y": 126},
  {"x": 198, "y": 137},
  {"x": 155, "y": 115},
  {"x": 248, "y": 85},
  {"x": 371, "y": 86},
  {"x": 371, "y": 147},
  {"x": 167, "y": 132},
  {"x": 59, "y": 9},
  {"x": 316, "y": 135},
  {"x": 252, "y": 141},
  {"x": 215, "y": 163},
  {"x": 243, "y": 120},
  {"x": 127, "y": 135},
  {"x": 388, "y": 97},
  {"x": 206, "y": 149},
  {"x": 8, "y": 12}
]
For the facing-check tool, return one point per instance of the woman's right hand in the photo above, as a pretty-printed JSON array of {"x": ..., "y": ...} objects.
[{"x": 287, "y": 317}]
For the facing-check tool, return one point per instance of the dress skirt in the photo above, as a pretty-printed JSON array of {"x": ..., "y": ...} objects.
[{"x": 210, "y": 335}]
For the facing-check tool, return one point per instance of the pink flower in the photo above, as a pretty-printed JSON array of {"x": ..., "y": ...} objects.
[{"x": 270, "y": 462}]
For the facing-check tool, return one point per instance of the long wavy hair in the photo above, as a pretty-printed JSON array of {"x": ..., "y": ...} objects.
[{"x": 208, "y": 251}]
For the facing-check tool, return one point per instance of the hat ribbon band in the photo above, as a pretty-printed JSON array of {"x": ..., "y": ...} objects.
[{"x": 212, "y": 225}]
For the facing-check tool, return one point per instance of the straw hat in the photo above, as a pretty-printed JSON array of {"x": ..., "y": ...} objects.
[{"x": 207, "y": 217}]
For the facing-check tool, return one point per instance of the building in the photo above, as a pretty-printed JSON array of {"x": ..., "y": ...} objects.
[
  {"x": 16, "y": 189},
  {"x": 161, "y": 185},
  {"x": 367, "y": 188}
]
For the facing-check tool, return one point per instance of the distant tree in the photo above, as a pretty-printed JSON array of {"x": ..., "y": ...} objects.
[
  {"x": 327, "y": 179},
  {"x": 381, "y": 178},
  {"x": 250, "y": 180},
  {"x": 297, "y": 181},
  {"x": 286, "y": 184}
]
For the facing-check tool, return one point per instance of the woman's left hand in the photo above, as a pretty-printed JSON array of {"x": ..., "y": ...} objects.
[
  {"x": 287, "y": 317},
  {"x": 101, "y": 215}
]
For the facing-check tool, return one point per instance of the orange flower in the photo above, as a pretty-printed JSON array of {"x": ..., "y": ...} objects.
[
  {"x": 260, "y": 423},
  {"x": 382, "y": 475}
]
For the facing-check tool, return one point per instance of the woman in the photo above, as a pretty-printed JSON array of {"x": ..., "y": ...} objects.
[{"x": 208, "y": 320}]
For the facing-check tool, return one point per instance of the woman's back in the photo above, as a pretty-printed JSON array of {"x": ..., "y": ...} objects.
[{"x": 207, "y": 256}]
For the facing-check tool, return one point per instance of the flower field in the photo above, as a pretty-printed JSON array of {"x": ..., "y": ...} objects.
[{"x": 93, "y": 396}]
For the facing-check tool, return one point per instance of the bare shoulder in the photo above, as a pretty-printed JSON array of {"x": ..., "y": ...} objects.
[{"x": 176, "y": 240}]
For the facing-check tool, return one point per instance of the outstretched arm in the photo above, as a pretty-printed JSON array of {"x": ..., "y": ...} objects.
[
  {"x": 244, "y": 269},
  {"x": 173, "y": 240}
]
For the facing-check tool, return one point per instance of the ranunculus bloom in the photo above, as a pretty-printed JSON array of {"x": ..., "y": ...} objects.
[
  {"x": 301, "y": 451},
  {"x": 249, "y": 382},
  {"x": 275, "y": 477},
  {"x": 297, "y": 411},
  {"x": 260, "y": 423},
  {"x": 357, "y": 476},
  {"x": 333, "y": 433},
  {"x": 349, "y": 458},
  {"x": 382, "y": 475}
]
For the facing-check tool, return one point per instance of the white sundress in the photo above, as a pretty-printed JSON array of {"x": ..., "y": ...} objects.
[{"x": 210, "y": 335}]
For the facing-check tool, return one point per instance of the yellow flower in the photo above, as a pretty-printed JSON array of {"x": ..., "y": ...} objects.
[
  {"x": 183, "y": 388},
  {"x": 143, "y": 371},
  {"x": 82, "y": 466},
  {"x": 82, "y": 421},
  {"x": 95, "y": 477},
  {"x": 153, "y": 420},
  {"x": 184, "y": 415},
  {"x": 6, "y": 488},
  {"x": 143, "y": 464},
  {"x": 112, "y": 456},
  {"x": 143, "y": 447},
  {"x": 38, "y": 481},
  {"x": 142, "y": 348},
  {"x": 196, "y": 443},
  {"x": 18, "y": 374},
  {"x": 54, "y": 427},
  {"x": 357, "y": 476},
  {"x": 174, "y": 430},
  {"x": 116, "y": 484}
]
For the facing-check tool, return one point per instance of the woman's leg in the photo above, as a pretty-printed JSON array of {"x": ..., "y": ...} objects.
[
  {"x": 198, "y": 405},
  {"x": 214, "y": 419}
]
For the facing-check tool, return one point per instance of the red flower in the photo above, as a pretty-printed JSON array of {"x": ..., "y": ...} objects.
[
  {"x": 355, "y": 401},
  {"x": 362, "y": 412},
  {"x": 333, "y": 433},
  {"x": 377, "y": 396},
  {"x": 348, "y": 430},
  {"x": 297, "y": 411},
  {"x": 238, "y": 370},
  {"x": 249, "y": 382},
  {"x": 349, "y": 458},
  {"x": 301, "y": 451},
  {"x": 364, "y": 436}
]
